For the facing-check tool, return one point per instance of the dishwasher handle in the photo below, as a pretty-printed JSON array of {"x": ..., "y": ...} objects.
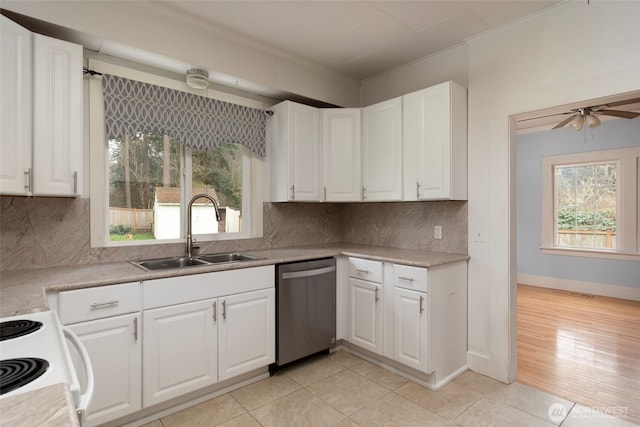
[{"x": 308, "y": 273}]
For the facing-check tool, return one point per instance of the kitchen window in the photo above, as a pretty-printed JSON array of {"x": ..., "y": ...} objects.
[
  {"x": 590, "y": 204},
  {"x": 144, "y": 180}
]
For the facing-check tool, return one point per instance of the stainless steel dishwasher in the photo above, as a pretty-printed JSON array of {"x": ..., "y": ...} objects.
[{"x": 306, "y": 309}]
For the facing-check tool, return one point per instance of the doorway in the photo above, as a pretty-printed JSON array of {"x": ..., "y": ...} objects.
[{"x": 570, "y": 343}]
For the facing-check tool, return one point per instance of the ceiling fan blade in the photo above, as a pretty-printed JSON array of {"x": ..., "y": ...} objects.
[
  {"x": 625, "y": 102},
  {"x": 564, "y": 122},
  {"x": 616, "y": 113}
]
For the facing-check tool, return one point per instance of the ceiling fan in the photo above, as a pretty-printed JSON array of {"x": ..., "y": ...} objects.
[{"x": 587, "y": 115}]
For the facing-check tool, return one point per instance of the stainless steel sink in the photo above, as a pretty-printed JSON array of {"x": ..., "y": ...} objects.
[
  {"x": 222, "y": 258},
  {"x": 165, "y": 263},
  {"x": 183, "y": 262}
]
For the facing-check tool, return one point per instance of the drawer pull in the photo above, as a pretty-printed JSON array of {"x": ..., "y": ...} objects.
[
  {"x": 362, "y": 271},
  {"x": 408, "y": 279},
  {"x": 107, "y": 304}
]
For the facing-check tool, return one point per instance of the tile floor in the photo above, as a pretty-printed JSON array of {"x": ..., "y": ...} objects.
[{"x": 341, "y": 389}]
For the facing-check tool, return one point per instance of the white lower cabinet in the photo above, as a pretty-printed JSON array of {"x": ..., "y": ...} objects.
[
  {"x": 414, "y": 316},
  {"x": 206, "y": 328},
  {"x": 411, "y": 329},
  {"x": 180, "y": 350},
  {"x": 107, "y": 319},
  {"x": 114, "y": 347}
]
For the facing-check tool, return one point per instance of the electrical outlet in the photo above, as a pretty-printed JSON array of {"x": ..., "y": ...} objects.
[
  {"x": 478, "y": 236},
  {"x": 437, "y": 232}
]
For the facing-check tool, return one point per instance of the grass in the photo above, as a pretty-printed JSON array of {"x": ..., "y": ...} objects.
[{"x": 136, "y": 236}]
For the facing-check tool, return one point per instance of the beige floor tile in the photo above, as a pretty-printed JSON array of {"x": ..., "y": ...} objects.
[
  {"x": 529, "y": 400},
  {"x": 210, "y": 413},
  {"x": 380, "y": 376},
  {"x": 448, "y": 402},
  {"x": 244, "y": 420},
  {"x": 393, "y": 410},
  {"x": 489, "y": 412},
  {"x": 347, "y": 391},
  {"x": 300, "y": 408},
  {"x": 265, "y": 391},
  {"x": 581, "y": 416},
  {"x": 346, "y": 422},
  {"x": 314, "y": 370},
  {"x": 345, "y": 358},
  {"x": 477, "y": 382}
]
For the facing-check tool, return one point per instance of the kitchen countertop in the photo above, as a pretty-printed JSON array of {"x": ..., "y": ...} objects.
[{"x": 24, "y": 291}]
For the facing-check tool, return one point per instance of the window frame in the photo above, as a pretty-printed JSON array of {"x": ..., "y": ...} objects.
[
  {"x": 253, "y": 165},
  {"x": 628, "y": 205}
]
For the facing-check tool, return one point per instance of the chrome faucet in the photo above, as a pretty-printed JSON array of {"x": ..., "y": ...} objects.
[{"x": 190, "y": 244}]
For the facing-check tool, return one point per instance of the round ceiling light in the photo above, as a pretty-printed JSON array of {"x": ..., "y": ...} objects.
[{"x": 197, "y": 78}]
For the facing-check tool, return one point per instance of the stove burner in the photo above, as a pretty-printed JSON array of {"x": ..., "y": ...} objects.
[
  {"x": 18, "y": 328},
  {"x": 14, "y": 373}
]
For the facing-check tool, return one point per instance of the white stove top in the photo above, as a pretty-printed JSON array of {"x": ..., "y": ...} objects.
[{"x": 46, "y": 343}]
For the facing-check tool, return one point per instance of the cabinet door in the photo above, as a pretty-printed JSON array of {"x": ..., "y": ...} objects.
[
  {"x": 57, "y": 117},
  {"x": 410, "y": 331},
  {"x": 341, "y": 154},
  {"x": 365, "y": 328},
  {"x": 15, "y": 121},
  {"x": 382, "y": 151},
  {"x": 304, "y": 153},
  {"x": 434, "y": 132},
  {"x": 114, "y": 346},
  {"x": 180, "y": 350},
  {"x": 246, "y": 332}
]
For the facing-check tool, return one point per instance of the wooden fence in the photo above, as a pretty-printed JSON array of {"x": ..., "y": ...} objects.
[
  {"x": 587, "y": 238},
  {"x": 137, "y": 219}
]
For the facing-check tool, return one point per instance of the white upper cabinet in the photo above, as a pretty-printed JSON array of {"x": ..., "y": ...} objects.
[
  {"x": 341, "y": 143},
  {"x": 42, "y": 114},
  {"x": 15, "y": 121},
  {"x": 57, "y": 117},
  {"x": 382, "y": 151},
  {"x": 295, "y": 152},
  {"x": 435, "y": 143}
]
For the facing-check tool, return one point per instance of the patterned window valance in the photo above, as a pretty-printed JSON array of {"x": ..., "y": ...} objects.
[{"x": 199, "y": 122}]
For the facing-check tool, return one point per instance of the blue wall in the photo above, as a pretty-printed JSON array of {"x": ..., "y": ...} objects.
[{"x": 531, "y": 147}]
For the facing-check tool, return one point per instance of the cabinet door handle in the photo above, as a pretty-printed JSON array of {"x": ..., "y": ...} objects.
[
  {"x": 293, "y": 192},
  {"x": 106, "y": 304},
  {"x": 364, "y": 190},
  {"x": 377, "y": 297},
  {"x": 421, "y": 301},
  {"x": 224, "y": 310},
  {"x": 27, "y": 176},
  {"x": 135, "y": 329},
  {"x": 214, "y": 312},
  {"x": 325, "y": 194},
  {"x": 417, "y": 190},
  {"x": 408, "y": 279},
  {"x": 75, "y": 182}
]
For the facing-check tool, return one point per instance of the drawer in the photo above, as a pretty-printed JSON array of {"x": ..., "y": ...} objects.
[
  {"x": 96, "y": 303},
  {"x": 414, "y": 278},
  {"x": 365, "y": 269}
]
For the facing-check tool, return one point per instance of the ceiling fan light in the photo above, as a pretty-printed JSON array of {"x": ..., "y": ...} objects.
[
  {"x": 592, "y": 121},
  {"x": 197, "y": 78},
  {"x": 577, "y": 123}
]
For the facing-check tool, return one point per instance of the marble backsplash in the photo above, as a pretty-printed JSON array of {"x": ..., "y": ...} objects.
[{"x": 46, "y": 232}]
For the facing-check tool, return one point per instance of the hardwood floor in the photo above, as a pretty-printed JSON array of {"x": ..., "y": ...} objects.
[{"x": 583, "y": 348}]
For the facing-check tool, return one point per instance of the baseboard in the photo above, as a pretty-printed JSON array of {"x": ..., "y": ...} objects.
[{"x": 601, "y": 289}]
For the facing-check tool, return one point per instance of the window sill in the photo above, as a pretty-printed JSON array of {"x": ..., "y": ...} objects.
[{"x": 588, "y": 253}]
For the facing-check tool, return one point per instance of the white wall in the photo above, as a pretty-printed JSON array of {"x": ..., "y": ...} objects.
[
  {"x": 148, "y": 26},
  {"x": 539, "y": 62}
]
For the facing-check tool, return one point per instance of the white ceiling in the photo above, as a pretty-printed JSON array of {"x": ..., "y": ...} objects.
[{"x": 357, "y": 38}]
